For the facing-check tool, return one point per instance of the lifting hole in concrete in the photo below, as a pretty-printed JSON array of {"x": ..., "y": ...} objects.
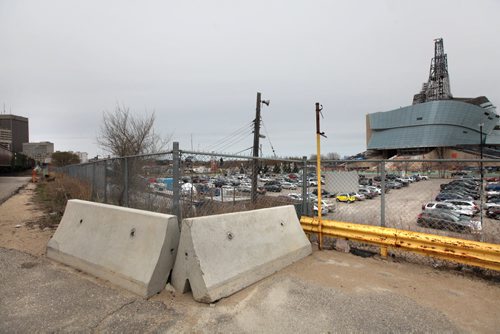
[
  {"x": 230, "y": 236},
  {"x": 171, "y": 251},
  {"x": 81, "y": 221},
  {"x": 132, "y": 232},
  {"x": 186, "y": 254}
]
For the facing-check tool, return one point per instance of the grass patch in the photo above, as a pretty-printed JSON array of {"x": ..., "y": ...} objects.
[{"x": 52, "y": 197}]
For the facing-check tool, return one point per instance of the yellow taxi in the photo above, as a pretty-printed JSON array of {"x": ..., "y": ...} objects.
[{"x": 345, "y": 197}]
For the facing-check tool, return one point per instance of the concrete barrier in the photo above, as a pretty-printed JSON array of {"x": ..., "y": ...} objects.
[
  {"x": 131, "y": 248},
  {"x": 222, "y": 254}
]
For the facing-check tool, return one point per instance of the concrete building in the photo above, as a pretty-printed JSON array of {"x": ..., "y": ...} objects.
[
  {"x": 41, "y": 152},
  {"x": 436, "y": 120},
  {"x": 19, "y": 131},
  {"x": 84, "y": 156},
  {"x": 421, "y": 127}
]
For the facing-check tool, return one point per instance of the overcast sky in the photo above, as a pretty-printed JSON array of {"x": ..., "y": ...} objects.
[{"x": 199, "y": 64}]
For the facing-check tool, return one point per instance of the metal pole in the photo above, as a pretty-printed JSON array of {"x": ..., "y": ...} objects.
[
  {"x": 482, "y": 177},
  {"x": 305, "y": 207},
  {"x": 125, "y": 180},
  {"x": 106, "y": 181},
  {"x": 176, "y": 191},
  {"x": 382, "y": 194},
  {"x": 318, "y": 174},
  {"x": 93, "y": 191},
  {"x": 256, "y": 134}
]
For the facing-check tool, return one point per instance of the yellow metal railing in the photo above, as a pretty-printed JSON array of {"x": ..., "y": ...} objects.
[{"x": 468, "y": 252}]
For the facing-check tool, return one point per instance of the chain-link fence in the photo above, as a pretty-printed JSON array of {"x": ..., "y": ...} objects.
[{"x": 441, "y": 197}]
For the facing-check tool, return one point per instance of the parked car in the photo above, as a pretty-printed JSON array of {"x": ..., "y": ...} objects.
[
  {"x": 460, "y": 173},
  {"x": 324, "y": 204},
  {"x": 324, "y": 211},
  {"x": 288, "y": 185},
  {"x": 393, "y": 185},
  {"x": 376, "y": 190},
  {"x": 367, "y": 193},
  {"x": 358, "y": 196},
  {"x": 441, "y": 197},
  {"x": 463, "y": 194},
  {"x": 244, "y": 188},
  {"x": 345, "y": 197},
  {"x": 324, "y": 193},
  {"x": 295, "y": 196},
  {"x": 439, "y": 219},
  {"x": 493, "y": 213},
  {"x": 447, "y": 207},
  {"x": 464, "y": 204},
  {"x": 272, "y": 187},
  {"x": 492, "y": 204},
  {"x": 404, "y": 182}
]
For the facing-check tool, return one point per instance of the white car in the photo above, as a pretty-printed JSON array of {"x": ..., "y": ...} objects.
[
  {"x": 463, "y": 204},
  {"x": 324, "y": 211},
  {"x": 288, "y": 185},
  {"x": 447, "y": 207},
  {"x": 489, "y": 205},
  {"x": 295, "y": 196},
  {"x": 374, "y": 189},
  {"x": 324, "y": 204},
  {"x": 359, "y": 197}
]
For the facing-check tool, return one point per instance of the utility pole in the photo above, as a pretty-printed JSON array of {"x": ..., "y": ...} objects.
[{"x": 256, "y": 135}]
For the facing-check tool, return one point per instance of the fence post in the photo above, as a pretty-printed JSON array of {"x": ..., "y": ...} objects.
[
  {"x": 125, "y": 182},
  {"x": 93, "y": 190},
  {"x": 176, "y": 198},
  {"x": 105, "y": 181},
  {"x": 305, "y": 208},
  {"x": 382, "y": 194}
]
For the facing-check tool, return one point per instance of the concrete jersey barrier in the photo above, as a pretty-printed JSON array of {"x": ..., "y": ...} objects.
[
  {"x": 131, "y": 248},
  {"x": 222, "y": 254}
]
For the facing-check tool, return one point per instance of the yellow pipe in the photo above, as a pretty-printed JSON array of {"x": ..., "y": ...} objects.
[{"x": 469, "y": 252}]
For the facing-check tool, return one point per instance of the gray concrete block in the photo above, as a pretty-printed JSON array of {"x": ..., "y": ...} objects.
[
  {"x": 131, "y": 248},
  {"x": 222, "y": 254}
]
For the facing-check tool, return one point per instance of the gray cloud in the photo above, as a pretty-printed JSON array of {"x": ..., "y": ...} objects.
[{"x": 198, "y": 65}]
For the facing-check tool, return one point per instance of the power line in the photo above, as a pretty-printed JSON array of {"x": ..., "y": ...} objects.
[
  {"x": 236, "y": 140},
  {"x": 229, "y": 137},
  {"x": 268, "y": 138}
]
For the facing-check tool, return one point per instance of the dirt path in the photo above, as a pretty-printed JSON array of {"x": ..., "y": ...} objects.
[{"x": 15, "y": 213}]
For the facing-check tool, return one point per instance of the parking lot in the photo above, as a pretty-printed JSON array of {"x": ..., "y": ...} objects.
[{"x": 402, "y": 207}]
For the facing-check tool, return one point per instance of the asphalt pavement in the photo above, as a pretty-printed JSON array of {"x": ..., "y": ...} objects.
[
  {"x": 325, "y": 292},
  {"x": 9, "y": 185}
]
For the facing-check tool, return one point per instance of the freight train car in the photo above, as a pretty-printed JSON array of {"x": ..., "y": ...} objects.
[{"x": 13, "y": 162}]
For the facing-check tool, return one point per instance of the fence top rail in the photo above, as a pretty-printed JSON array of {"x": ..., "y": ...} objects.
[
  {"x": 406, "y": 160},
  {"x": 247, "y": 157},
  {"x": 118, "y": 158}
]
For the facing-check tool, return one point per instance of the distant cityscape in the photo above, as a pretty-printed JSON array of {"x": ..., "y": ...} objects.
[{"x": 14, "y": 138}]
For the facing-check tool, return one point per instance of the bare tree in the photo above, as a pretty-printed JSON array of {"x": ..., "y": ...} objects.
[{"x": 123, "y": 134}]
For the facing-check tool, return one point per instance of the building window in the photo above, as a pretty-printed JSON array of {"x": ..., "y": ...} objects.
[
  {"x": 419, "y": 118},
  {"x": 465, "y": 131}
]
